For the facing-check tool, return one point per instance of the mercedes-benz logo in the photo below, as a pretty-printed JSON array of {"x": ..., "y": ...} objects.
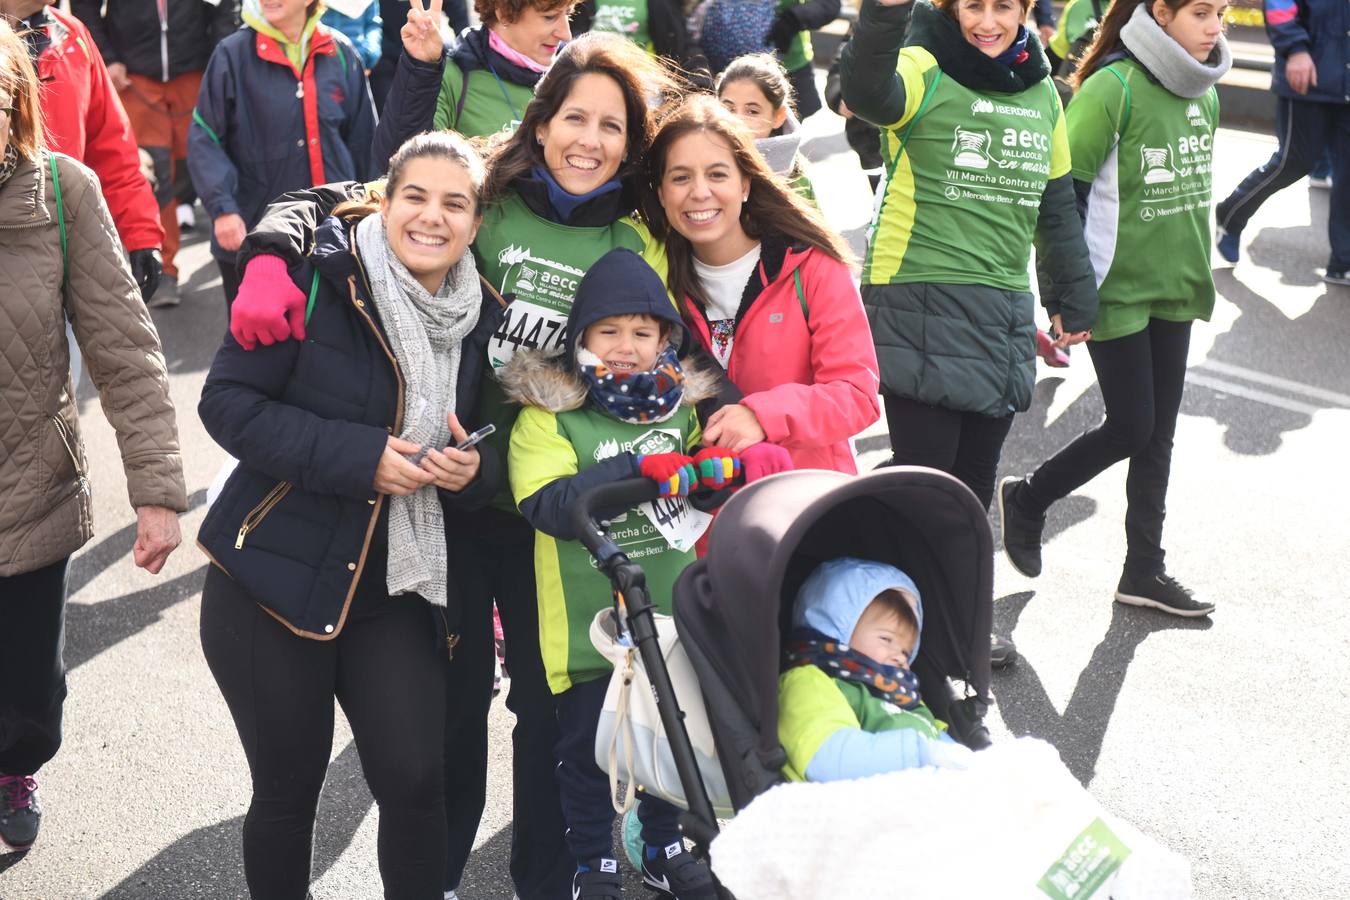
[
  {"x": 953, "y": 192},
  {"x": 1146, "y": 214}
]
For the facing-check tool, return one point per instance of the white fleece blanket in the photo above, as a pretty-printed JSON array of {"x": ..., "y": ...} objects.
[{"x": 1015, "y": 824}]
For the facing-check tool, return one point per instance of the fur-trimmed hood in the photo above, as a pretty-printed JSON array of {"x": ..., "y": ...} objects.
[{"x": 553, "y": 383}]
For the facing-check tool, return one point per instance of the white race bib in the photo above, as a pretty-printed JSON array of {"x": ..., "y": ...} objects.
[
  {"x": 529, "y": 326},
  {"x": 679, "y": 523}
]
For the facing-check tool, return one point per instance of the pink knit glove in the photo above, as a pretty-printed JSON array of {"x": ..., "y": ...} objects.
[
  {"x": 763, "y": 459},
  {"x": 269, "y": 307}
]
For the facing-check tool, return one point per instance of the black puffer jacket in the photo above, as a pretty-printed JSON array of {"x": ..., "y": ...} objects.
[
  {"x": 132, "y": 33},
  {"x": 299, "y": 524}
]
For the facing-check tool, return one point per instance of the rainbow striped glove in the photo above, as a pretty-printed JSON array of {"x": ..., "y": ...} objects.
[
  {"x": 717, "y": 467},
  {"x": 673, "y": 472}
]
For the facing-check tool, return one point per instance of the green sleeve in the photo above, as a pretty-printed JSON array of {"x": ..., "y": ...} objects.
[
  {"x": 801, "y": 182},
  {"x": 1060, "y": 155},
  {"x": 810, "y": 709},
  {"x": 1094, "y": 119},
  {"x": 540, "y": 453},
  {"x": 452, "y": 81}
]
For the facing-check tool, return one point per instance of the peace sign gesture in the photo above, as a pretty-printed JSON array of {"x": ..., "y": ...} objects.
[{"x": 422, "y": 32}]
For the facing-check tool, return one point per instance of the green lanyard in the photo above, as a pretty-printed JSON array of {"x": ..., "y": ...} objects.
[{"x": 60, "y": 221}]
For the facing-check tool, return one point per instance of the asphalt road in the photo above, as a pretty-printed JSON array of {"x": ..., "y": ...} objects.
[{"x": 1222, "y": 738}]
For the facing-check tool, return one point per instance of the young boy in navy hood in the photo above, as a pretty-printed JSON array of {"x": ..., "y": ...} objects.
[
  {"x": 618, "y": 403},
  {"x": 848, "y": 705}
]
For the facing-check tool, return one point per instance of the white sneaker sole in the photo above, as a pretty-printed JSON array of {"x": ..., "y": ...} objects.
[{"x": 1150, "y": 603}]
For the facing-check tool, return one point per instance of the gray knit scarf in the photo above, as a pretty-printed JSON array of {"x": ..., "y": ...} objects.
[
  {"x": 1177, "y": 70},
  {"x": 425, "y": 333}
]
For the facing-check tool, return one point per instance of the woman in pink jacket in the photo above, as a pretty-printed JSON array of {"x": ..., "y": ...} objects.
[{"x": 765, "y": 285}]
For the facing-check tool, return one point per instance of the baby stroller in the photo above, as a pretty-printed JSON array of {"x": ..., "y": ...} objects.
[{"x": 733, "y": 607}]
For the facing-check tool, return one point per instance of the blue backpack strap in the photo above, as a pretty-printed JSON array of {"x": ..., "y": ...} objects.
[{"x": 60, "y": 221}]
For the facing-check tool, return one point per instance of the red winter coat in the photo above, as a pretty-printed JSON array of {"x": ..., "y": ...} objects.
[
  {"x": 809, "y": 375},
  {"x": 83, "y": 118}
]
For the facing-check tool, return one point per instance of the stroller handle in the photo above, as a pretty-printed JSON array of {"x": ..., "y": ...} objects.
[
  {"x": 625, "y": 494},
  {"x": 617, "y": 496}
]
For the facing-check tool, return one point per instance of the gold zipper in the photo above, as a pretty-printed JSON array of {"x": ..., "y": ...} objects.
[
  {"x": 361, "y": 308},
  {"x": 451, "y": 638},
  {"x": 259, "y": 512},
  {"x": 67, "y": 441}
]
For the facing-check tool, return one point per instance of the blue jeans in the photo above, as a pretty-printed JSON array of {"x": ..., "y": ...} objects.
[{"x": 1307, "y": 131}]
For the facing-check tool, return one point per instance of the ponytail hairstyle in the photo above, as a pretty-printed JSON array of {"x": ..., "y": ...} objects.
[
  {"x": 647, "y": 85},
  {"x": 19, "y": 80},
  {"x": 446, "y": 145},
  {"x": 1107, "y": 40},
  {"x": 765, "y": 72},
  {"x": 774, "y": 207}
]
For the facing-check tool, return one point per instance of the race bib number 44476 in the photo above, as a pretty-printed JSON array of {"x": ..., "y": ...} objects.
[
  {"x": 527, "y": 326},
  {"x": 678, "y": 522}
]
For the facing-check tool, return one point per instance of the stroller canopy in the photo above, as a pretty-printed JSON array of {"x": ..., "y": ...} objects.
[{"x": 735, "y": 605}]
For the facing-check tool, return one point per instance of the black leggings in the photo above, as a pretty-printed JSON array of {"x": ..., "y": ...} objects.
[
  {"x": 32, "y": 676},
  {"x": 1142, "y": 376},
  {"x": 964, "y": 444},
  {"x": 386, "y": 671},
  {"x": 499, "y": 562}
]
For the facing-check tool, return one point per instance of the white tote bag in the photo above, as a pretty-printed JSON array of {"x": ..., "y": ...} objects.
[{"x": 630, "y": 742}]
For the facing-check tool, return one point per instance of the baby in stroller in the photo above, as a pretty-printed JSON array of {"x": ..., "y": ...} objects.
[{"x": 848, "y": 704}]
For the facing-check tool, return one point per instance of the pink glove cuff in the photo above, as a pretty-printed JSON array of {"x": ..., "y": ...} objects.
[{"x": 267, "y": 266}]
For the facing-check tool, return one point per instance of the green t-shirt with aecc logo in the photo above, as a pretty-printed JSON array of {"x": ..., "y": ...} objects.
[
  {"x": 964, "y": 183},
  {"x": 491, "y": 104},
  {"x": 548, "y": 446},
  {"x": 540, "y": 263},
  {"x": 1147, "y": 153},
  {"x": 625, "y": 17}
]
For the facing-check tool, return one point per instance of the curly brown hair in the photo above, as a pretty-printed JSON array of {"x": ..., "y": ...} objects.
[{"x": 490, "y": 12}]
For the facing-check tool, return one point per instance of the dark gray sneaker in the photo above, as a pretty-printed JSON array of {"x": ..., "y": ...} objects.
[
  {"x": 20, "y": 814},
  {"x": 598, "y": 879},
  {"x": 1021, "y": 532},
  {"x": 676, "y": 872},
  {"x": 1002, "y": 651},
  {"x": 1162, "y": 592}
]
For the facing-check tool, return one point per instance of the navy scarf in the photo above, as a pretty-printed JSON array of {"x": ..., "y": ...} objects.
[
  {"x": 808, "y": 647},
  {"x": 1017, "y": 53},
  {"x": 563, "y": 203}
]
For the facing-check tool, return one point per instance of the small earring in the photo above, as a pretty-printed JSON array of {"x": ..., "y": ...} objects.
[{"x": 745, "y": 199}]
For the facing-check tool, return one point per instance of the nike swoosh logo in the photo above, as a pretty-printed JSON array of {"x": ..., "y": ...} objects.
[{"x": 663, "y": 883}]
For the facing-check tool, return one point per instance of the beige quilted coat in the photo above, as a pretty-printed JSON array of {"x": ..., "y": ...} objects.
[{"x": 44, "y": 494}]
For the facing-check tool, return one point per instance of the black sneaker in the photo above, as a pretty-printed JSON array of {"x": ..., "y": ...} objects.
[
  {"x": 597, "y": 879},
  {"x": 1002, "y": 651},
  {"x": 677, "y": 873},
  {"x": 1021, "y": 532},
  {"x": 20, "y": 814},
  {"x": 1336, "y": 276},
  {"x": 1161, "y": 592}
]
